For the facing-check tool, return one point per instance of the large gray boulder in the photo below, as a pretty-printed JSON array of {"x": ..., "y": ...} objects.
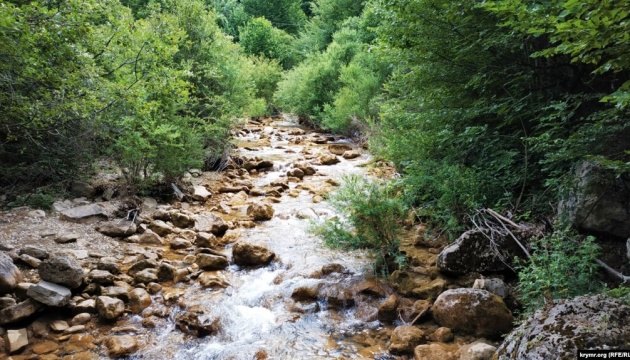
[
  {"x": 85, "y": 214},
  {"x": 472, "y": 311},
  {"x": 62, "y": 269},
  {"x": 49, "y": 293},
  {"x": 474, "y": 252},
  {"x": 592, "y": 322},
  {"x": 600, "y": 201},
  {"x": 10, "y": 275}
]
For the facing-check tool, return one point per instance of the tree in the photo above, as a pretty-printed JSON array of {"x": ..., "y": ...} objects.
[{"x": 286, "y": 15}]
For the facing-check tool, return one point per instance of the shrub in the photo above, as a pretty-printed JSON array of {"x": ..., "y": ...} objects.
[
  {"x": 260, "y": 38},
  {"x": 373, "y": 210},
  {"x": 562, "y": 266}
]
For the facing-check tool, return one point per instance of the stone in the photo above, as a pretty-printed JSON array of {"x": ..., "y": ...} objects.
[
  {"x": 339, "y": 149},
  {"x": 205, "y": 239},
  {"x": 19, "y": 312},
  {"x": 600, "y": 201},
  {"x": 81, "y": 319},
  {"x": 442, "y": 335},
  {"x": 116, "y": 291},
  {"x": 45, "y": 347},
  {"x": 388, "y": 310},
  {"x": 86, "y": 306},
  {"x": 160, "y": 227},
  {"x": 197, "y": 323},
  {"x": 141, "y": 265},
  {"x": 494, "y": 285},
  {"x": 211, "y": 262},
  {"x": 50, "y": 294},
  {"x": 139, "y": 299},
  {"x": 405, "y": 338},
  {"x": 108, "y": 264},
  {"x": 476, "y": 351},
  {"x": 36, "y": 214},
  {"x": 212, "y": 280},
  {"x": 200, "y": 193},
  {"x": 431, "y": 290},
  {"x": 334, "y": 268},
  {"x": 59, "y": 325},
  {"x": 328, "y": 159},
  {"x": 473, "y": 252},
  {"x": 591, "y": 322},
  {"x": 149, "y": 237},
  {"x": 306, "y": 168},
  {"x": 146, "y": 276},
  {"x": 74, "y": 329},
  {"x": 102, "y": 277},
  {"x": 247, "y": 254},
  {"x": 351, "y": 154},
  {"x": 10, "y": 275},
  {"x": 472, "y": 311},
  {"x": 35, "y": 251},
  {"x": 432, "y": 352},
  {"x": 179, "y": 243},
  {"x": 117, "y": 228},
  {"x": 296, "y": 173},
  {"x": 121, "y": 345},
  {"x": 66, "y": 238},
  {"x": 109, "y": 308},
  {"x": 82, "y": 189},
  {"x": 62, "y": 269},
  {"x": 85, "y": 214},
  {"x": 182, "y": 220},
  {"x": 30, "y": 261},
  {"x": 373, "y": 287},
  {"x": 260, "y": 211},
  {"x": 16, "y": 340},
  {"x": 166, "y": 272},
  {"x": 210, "y": 223},
  {"x": 6, "y": 302},
  {"x": 231, "y": 236},
  {"x": 306, "y": 293},
  {"x": 337, "y": 296}
]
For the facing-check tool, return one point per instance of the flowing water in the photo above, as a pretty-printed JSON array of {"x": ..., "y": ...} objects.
[{"x": 255, "y": 316}]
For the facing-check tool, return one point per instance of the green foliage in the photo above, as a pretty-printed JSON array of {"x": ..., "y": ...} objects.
[
  {"x": 231, "y": 15},
  {"x": 562, "y": 266},
  {"x": 622, "y": 292},
  {"x": 260, "y": 38},
  {"x": 265, "y": 75},
  {"x": 38, "y": 200},
  {"x": 374, "y": 211},
  {"x": 286, "y": 15}
]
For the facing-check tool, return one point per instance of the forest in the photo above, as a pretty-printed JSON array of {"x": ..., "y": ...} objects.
[{"x": 478, "y": 104}]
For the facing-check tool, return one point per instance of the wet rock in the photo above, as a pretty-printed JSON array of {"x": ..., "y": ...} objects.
[
  {"x": 166, "y": 272},
  {"x": 117, "y": 228},
  {"x": 45, "y": 347},
  {"x": 405, "y": 338},
  {"x": 120, "y": 345},
  {"x": 154, "y": 288},
  {"x": 351, "y": 154},
  {"x": 205, "y": 240},
  {"x": 119, "y": 292},
  {"x": 139, "y": 299},
  {"x": 35, "y": 251},
  {"x": 81, "y": 319},
  {"x": 66, "y": 238},
  {"x": 200, "y": 193},
  {"x": 472, "y": 311},
  {"x": 74, "y": 329},
  {"x": 231, "y": 236},
  {"x": 334, "y": 268},
  {"x": 195, "y": 322},
  {"x": 239, "y": 198},
  {"x": 442, "y": 335},
  {"x": 16, "y": 340},
  {"x": 85, "y": 214},
  {"x": 306, "y": 168},
  {"x": 162, "y": 214},
  {"x": 109, "y": 308},
  {"x": 182, "y": 220},
  {"x": 432, "y": 352},
  {"x": 62, "y": 269},
  {"x": 306, "y": 293},
  {"x": 146, "y": 276},
  {"x": 337, "y": 296},
  {"x": 476, "y": 351},
  {"x": 373, "y": 287},
  {"x": 59, "y": 325},
  {"x": 149, "y": 237},
  {"x": 108, "y": 264},
  {"x": 30, "y": 261},
  {"x": 86, "y": 306},
  {"x": 212, "y": 280},
  {"x": 493, "y": 285},
  {"x": 431, "y": 290},
  {"x": 339, "y": 149},
  {"x": 473, "y": 252},
  {"x": 141, "y": 265},
  {"x": 210, "y": 223},
  {"x": 247, "y": 254},
  {"x": 160, "y": 227},
  {"x": 328, "y": 159},
  {"x": 101, "y": 277},
  {"x": 6, "y": 302},
  {"x": 388, "y": 310},
  {"x": 211, "y": 262},
  {"x": 10, "y": 275},
  {"x": 260, "y": 211},
  {"x": 49, "y": 293},
  {"x": 414, "y": 311},
  {"x": 179, "y": 243},
  {"x": 592, "y": 322},
  {"x": 19, "y": 312},
  {"x": 296, "y": 173}
]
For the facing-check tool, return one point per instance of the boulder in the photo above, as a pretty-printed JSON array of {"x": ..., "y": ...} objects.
[
  {"x": 388, "y": 310},
  {"x": 19, "y": 312},
  {"x": 296, "y": 173},
  {"x": 139, "y": 299},
  {"x": 117, "y": 228},
  {"x": 85, "y": 214},
  {"x": 108, "y": 264},
  {"x": 600, "y": 201},
  {"x": 473, "y": 311},
  {"x": 109, "y": 308},
  {"x": 197, "y": 323},
  {"x": 206, "y": 240},
  {"x": 494, "y": 285},
  {"x": 476, "y": 351},
  {"x": 247, "y": 254},
  {"x": 179, "y": 243},
  {"x": 260, "y": 211},
  {"x": 146, "y": 276},
  {"x": 141, "y": 265},
  {"x": 442, "y": 334},
  {"x": 102, "y": 277},
  {"x": 160, "y": 227},
  {"x": 62, "y": 269},
  {"x": 200, "y": 193},
  {"x": 35, "y": 251},
  {"x": 182, "y": 220},
  {"x": 339, "y": 149},
  {"x": 10, "y": 275},
  {"x": 16, "y": 340},
  {"x": 166, "y": 272},
  {"x": 211, "y": 262},
  {"x": 210, "y": 223},
  {"x": 306, "y": 168},
  {"x": 337, "y": 296},
  {"x": 328, "y": 159},
  {"x": 121, "y": 345},
  {"x": 591, "y": 322},
  {"x": 149, "y": 237},
  {"x": 352, "y": 154},
  {"x": 405, "y": 338},
  {"x": 49, "y": 293},
  {"x": 432, "y": 352},
  {"x": 212, "y": 280},
  {"x": 306, "y": 293},
  {"x": 473, "y": 252}
]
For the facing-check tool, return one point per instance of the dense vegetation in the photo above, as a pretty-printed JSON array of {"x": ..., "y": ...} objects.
[{"x": 478, "y": 103}]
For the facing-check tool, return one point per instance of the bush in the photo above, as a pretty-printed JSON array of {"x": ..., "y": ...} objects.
[
  {"x": 562, "y": 266},
  {"x": 260, "y": 38},
  {"x": 373, "y": 210}
]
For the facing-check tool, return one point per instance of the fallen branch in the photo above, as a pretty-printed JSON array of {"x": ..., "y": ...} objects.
[{"x": 613, "y": 272}]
